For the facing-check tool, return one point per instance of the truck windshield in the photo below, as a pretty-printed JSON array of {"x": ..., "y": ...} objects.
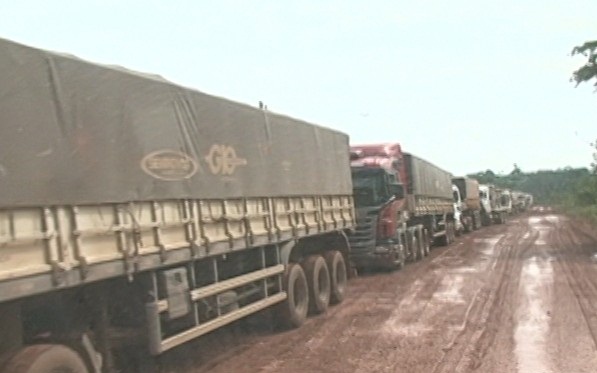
[{"x": 370, "y": 187}]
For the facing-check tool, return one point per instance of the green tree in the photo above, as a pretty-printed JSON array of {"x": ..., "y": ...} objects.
[
  {"x": 516, "y": 170},
  {"x": 594, "y": 163},
  {"x": 588, "y": 71}
]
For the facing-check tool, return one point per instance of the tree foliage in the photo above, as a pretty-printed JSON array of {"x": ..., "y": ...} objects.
[
  {"x": 588, "y": 71},
  {"x": 594, "y": 163},
  {"x": 573, "y": 189},
  {"x": 547, "y": 186}
]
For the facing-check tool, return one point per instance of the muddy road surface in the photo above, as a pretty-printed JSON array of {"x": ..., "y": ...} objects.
[{"x": 518, "y": 297}]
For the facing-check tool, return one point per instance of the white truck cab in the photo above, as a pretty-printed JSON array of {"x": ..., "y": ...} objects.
[
  {"x": 459, "y": 227},
  {"x": 485, "y": 198}
]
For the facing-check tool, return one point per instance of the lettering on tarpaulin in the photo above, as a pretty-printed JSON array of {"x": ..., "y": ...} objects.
[
  {"x": 170, "y": 165},
  {"x": 223, "y": 160}
]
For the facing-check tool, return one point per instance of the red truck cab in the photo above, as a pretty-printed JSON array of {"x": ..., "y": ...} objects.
[{"x": 379, "y": 176}]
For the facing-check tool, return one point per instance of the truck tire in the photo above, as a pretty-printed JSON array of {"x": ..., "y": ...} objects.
[
  {"x": 318, "y": 280},
  {"x": 401, "y": 261},
  {"x": 397, "y": 260},
  {"x": 450, "y": 233},
  {"x": 423, "y": 242},
  {"x": 413, "y": 246},
  {"x": 293, "y": 311},
  {"x": 46, "y": 358},
  {"x": 444, "y": 240},
  {"x": 426, "y": 242},
  {"x": 470, "y": 224},
  {"x": 338, "y": 275},
  {"x": 486, "y": 219},
  {"x": 416, "y": 249}
]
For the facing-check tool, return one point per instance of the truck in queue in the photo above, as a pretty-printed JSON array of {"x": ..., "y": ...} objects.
[
  {"x": 506, "y": 201},
  {"x": 137, "y": 215},
  {"x": 492, "y": 211},
  {"x": 518, "y": 201},
  {"x": 403, "y": 204},
  {"x": 467, "y": 202}
]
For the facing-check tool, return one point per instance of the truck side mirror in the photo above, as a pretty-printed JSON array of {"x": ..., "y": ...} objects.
[{"x": 397, "y": 190}]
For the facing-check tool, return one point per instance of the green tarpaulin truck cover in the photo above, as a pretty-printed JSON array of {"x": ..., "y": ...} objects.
[{"x": 74, "y": 132}]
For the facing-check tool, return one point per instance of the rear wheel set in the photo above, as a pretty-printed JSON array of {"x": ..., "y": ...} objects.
[{"x": 311, "y": 286}]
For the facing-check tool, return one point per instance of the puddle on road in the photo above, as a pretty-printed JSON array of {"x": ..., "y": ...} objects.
[
  {"x": 415, "y": 329},
  {"x": 539, "y": 225},
  {"x": 491, "y": 241},
  {"x": 466, "y": 270},
  {"x": 450, "y": 289},
  {"x": 539, "y": 221},
  {"x": 533, "y": 321},
  {"x": 535, "y": 220},
  {"x": 542, "y": 238},
  {"x": 395, "y": 325},
  {"x": 487, "y": 245}
]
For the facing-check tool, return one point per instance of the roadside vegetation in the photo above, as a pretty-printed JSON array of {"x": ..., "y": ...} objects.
[{"x": 573, "y": 190}]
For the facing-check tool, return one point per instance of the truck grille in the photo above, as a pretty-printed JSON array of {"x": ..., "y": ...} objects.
[{"x": 364, "y": 234}]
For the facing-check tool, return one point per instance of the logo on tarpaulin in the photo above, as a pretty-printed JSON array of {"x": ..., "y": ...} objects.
[
  {"x": 222, "y": 160},
  {"x": 170, "y": 165}
]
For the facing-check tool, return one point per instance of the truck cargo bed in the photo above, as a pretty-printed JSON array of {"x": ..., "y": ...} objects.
[
  {"x": 429, "y": 187},
  {"x": 56, "y": 247},
  {"x": 105, "y": 172}
]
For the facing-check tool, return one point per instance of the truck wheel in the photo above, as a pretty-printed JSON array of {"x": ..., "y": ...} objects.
[
  {"x": 413, "y": 246},
  {"x": 444, "y": 240},
  {"x": 318, "y": 278},
  {"x": 338, "y": 275},
  {"x": 401, "y": 262},
  {"x": 452, "y": 230},
  {"x": 397, "y": 259},
  {"x": 293, "y": 311},
  {"x": 46, "y": 358},
  {"x": 470, "y": 224},
  {"x": 426, "y": 242},
  {"x": 421, "y": 242}
]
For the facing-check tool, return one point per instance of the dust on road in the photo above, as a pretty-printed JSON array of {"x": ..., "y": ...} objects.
[{"x": 513, "y": 298}]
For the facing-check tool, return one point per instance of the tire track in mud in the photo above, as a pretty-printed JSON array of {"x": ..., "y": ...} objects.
[
  {"x": 418, "y": 335},
  {"x": 487, "y": 309},
  {"x": 341, "y": 339},
  {"x": 583, "y": 288},
  {"x": 410, "y": 321},
  {"x": 370, "y": 309},
  {"x": 310, "y": 344}
]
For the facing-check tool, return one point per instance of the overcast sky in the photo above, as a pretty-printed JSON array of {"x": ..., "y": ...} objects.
[{"x": 467, "y": 84}]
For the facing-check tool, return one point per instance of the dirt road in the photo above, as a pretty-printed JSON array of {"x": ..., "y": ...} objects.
[{"x": 519, "y": 297}]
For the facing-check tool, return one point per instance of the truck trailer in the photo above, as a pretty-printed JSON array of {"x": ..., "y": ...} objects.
[
  {"x": 403, "y": 204},
  {"x": 136, "y": 215}
]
